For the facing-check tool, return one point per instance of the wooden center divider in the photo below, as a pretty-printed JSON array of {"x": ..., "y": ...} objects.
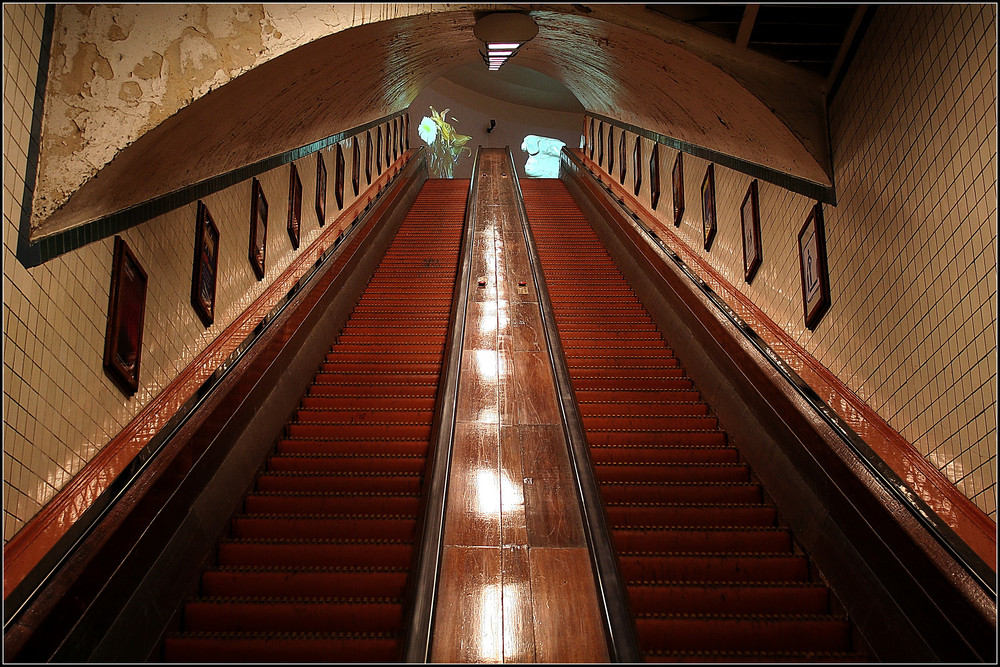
[{"x": 515, "y": 583}]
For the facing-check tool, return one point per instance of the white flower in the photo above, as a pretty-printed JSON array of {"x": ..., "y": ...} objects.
[{"x": 427, "y": 130}]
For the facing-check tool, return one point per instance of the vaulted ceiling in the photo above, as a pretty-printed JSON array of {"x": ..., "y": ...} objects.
[{"x": 145, "y": 100}]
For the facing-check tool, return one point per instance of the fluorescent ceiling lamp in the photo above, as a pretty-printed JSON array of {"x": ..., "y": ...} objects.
[
  {"x": 501, "y": 53},
  {"x": 513, "y": 45}
]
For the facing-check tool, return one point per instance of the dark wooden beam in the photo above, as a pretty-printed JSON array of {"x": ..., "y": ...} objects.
[{"x": 746, "y": 26}]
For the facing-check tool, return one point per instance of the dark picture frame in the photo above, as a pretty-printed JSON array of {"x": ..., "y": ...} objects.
[
  {"x": 600, "y": 144},
  {"x": 621, "y": 159},
  {"x": 126, "y": 314},
  {"x": 294, "y": 206},
  {"x": 637, "y": 165},
  {"x": 590, "y": 144},
  {"x": 388, "y": 143},
  {"x": 406, "y": 130},
  {"x": 654, "y": 175},
  {"x": 750, "y": 219},
  {"x": 338, "y": 187},
  {"x": 708, "y": 222},
  {"x": 611, "y": 148},
  {"x": 813, "y": 268},
  {"x": 395, "y": 139},
  {"x": 356, "y": 164},
  {"x": 378, "y": 151},
  {"x": 368, "y": 156},
  {"x": 321, "y": 187},
  {"x": 258, "y": 229},
  {"x": 206, "y": 265},
  {"x": 677, "y": 182}
]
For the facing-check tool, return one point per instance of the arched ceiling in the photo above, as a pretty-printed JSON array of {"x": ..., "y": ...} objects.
[{"x": 145, "y": 100}]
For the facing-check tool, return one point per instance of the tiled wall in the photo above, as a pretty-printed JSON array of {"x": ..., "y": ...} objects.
[
  {"x": 911, "y": 242},
  {"x": 60, "y": 408}
]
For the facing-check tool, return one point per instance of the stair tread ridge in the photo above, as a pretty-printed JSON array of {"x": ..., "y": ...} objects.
[
  {"x": 315, "y": 540},
  {"x": 755, "y": 616},
  {"x": 315, "y": 569},
  {"x": 266, "y": 599},
  {"x": 258, "y": 634},
  {"x": 719, "y": 583},
  {"x": 300, "y": 515}
]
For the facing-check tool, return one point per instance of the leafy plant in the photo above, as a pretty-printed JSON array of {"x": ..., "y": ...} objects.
[{"x": 444, "y": 144}]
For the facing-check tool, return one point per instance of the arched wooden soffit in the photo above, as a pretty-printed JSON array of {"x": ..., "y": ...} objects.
[{"x": 145, "y": 101}]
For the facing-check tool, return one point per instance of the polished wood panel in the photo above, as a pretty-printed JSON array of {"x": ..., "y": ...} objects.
[
  {"x": 470, "y": 608},
  {"x": 474, "y": 487},
  {"x": 562, "y": 584},
  {"x": 510, "y": 489}
]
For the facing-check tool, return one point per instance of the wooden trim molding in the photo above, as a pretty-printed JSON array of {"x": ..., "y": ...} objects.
[
  {"x": 963, "y": 516},
  {"x": 33, "y": 542}
]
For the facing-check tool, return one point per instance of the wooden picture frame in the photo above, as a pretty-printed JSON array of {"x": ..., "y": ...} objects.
[
  {"x": 378, "y": 151},
  {"x": 321, "y": 187},
  {"x": 654, "y": 176},
  {"x": 406, "y": 131},
  {"x": 258, "y": 229},
  {"x": 611, "y": 148},
  {"x": 368, "y": 156},
  {"x": 750, "y": 219},
  {"x": 600, "y": 144},
  {"x": 294, "y": 206},
  {"x": 206, "y": 265},
  {"x": 591, "y": 143},
  {"x": 708, "y": 222},
  {"x": 813, "y": 268},
  {"x": 637, "y": 165},
  {"x": 677, "y": 182},
  {"x": 621, "y": 159},
  {"x": 356, "y": 165},
  {"x": 395, "y": 139},
  {"x": 126, "y": 314},
  {"x": 338, "y": 186},
  {"x": 388, "y": 143}
]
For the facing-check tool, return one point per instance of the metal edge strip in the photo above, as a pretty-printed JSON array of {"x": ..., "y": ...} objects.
[
  {"x": 618, "y": 618},
  {"x": 36, "y": 252},
  {"x": 22, "y": 595},
  {"x": 823, "y": 193},
  {"x": 420, "y": 624},
  {"x": 974, "y": 565}
]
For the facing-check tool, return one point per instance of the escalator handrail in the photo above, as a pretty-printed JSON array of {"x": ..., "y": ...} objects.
[
  {"x": 424, "y": 577},
  {"x": 977, "y": 568},
  {"x": 618, "y": 619}
]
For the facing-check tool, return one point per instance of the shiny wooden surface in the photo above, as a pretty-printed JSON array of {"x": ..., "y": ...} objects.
[{"x": 516, "y": 582}]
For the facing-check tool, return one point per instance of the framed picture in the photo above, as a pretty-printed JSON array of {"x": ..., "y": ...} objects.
[
  {"x": 750, "y": 217},
  {"x": 321, "y": 187},
  {"x": 126, "y": 311},
  {"x": 258, "y": 229},
  {"x": 590, "y": 139},
  {"x": 395, "y": 139},
  {"x": 637, "y": 166},
  {"x": 813, "y": 268},
  {"x": 378, "y": 151},
  {"x": 356, "y": 165},
  {"x": 678, "y": 189},
  {"x": 338, "y": 190},
  {"x": 654, "y": 175},
  {"x": 621, "y": 159},
  {"x": 708, "y": 225},
  {"x": 388, "y": 142},
  {"x": 611, "y": 148},
  {"x": 206, "y": 265},
  {"x": 406, "y": 130},
  {"x": 368, "y": 157},
  {"x": 600, "y": 144},
  {"x": 294, "y": 206}
]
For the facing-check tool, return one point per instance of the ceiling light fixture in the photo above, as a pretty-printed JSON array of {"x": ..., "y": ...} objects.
[{"x": 501, "y": 35}]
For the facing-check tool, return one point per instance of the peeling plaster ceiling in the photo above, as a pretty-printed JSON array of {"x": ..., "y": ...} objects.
[{"x": 621, "y": 61}]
